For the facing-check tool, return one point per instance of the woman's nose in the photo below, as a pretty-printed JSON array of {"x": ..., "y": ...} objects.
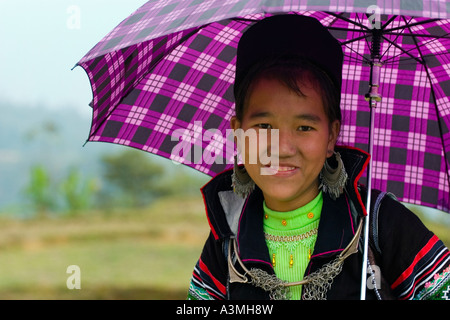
[{"x": 286, "y": 144}]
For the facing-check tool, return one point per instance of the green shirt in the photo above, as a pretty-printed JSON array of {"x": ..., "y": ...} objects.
[{"x": 290, "y": 237}]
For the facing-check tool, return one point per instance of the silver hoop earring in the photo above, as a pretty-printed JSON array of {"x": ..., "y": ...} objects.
[
  {"x": 241, "y": 182},
  {"x": 333, "y": 180}
]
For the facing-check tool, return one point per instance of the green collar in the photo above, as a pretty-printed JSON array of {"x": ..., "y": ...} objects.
[{"x": 295, "y": 219}]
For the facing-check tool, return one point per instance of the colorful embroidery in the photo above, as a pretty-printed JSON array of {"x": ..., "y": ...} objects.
[
  {"x": 432, "y": 258},
  {"x": 197, "y": 293},
  {"x": 438, "y": 288}
]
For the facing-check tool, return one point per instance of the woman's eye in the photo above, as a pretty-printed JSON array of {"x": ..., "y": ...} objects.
[
  {"x": 264, "y": 126},
  {"x": 305, "y": 128}
]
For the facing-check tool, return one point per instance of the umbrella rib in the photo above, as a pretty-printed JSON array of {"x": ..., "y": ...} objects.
[
  {"x": 412, "y": 25},
  {"x": 407, "y": 25},
  {"x": 355, "y": 39},
  {"x": 363, "y": 59},
  {"x": 244, "y": 19},
  {"x": 348, "y": 20},
  {"x": 403, "y": 51},
  {"x": 423, "y": 44},
  {"x": 347, "y": 29},
  {"x": 353, "y": 58},
  {"x": 433, "y": 95},
  {"x": 388, "y": 22},
  {"x": 390, "y": 60},
  {"x": 446, "y": 36},
  {"x": 436, "y": 54},
  {"x": 391, "y": 43},
  {"x": 365, "y": 39},
  {"x": 369, "y": 31},
  {"x": 334, "y": 21}
]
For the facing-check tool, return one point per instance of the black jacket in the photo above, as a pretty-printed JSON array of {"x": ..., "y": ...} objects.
[{"x": 406, "y": 252}]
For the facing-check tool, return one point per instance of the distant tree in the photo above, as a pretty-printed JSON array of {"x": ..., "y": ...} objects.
[
  {"x": 39, "y": 190},
  {"x": 182, "y": 183},
  {"x": 135, "y": 175},
  {"x": 77, "y": 192}
]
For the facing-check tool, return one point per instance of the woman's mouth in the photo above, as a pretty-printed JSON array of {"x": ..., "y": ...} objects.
[
  {"x": 283, "y": 169},
  {"x": 280, "y": 170}
]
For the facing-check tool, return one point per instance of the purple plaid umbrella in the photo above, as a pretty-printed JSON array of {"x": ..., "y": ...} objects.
[{"x": 165, "y": 75}]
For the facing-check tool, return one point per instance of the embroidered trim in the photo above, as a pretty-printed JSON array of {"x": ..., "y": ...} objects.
[
  {"x": 197, "y": 293},
  {"x": 299, "y": 237},
  {"x": 438, "y": 288},
  {"x": 290, "y": 243}
]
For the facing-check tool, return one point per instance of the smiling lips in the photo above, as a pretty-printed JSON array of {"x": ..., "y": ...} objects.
[{"x": 282, "y": 170}]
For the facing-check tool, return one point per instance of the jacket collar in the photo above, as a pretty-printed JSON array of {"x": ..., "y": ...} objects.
[{"x": 231, "y": 216}]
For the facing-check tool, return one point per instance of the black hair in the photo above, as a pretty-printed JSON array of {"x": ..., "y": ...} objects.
[{"x": 289, "y": 70}]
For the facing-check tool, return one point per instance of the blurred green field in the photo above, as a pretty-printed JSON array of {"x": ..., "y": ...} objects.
[{"x": 138, "y": 254}]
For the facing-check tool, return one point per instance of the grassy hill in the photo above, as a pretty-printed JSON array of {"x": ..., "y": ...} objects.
[{"x": 143, "y": 254}]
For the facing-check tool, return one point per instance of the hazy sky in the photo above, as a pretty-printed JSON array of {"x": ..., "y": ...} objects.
[{"x": 40, "y": 42}]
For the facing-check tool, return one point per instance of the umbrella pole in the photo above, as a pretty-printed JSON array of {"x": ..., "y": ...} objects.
[
  {"x": 368, "y": 205},
  {"x": 373, "y": 97}
]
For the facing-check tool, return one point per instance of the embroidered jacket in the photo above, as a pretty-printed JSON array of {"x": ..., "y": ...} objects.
[{"x": 411, "y": 258}]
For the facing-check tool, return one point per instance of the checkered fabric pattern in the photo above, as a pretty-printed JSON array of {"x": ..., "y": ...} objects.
[{"x": 163, "y": 82}]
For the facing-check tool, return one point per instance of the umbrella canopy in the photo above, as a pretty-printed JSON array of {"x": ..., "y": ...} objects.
[{"x": 166, "y": 74}]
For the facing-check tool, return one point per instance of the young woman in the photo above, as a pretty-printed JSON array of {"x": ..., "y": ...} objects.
[{"x": 293, "y": 233}]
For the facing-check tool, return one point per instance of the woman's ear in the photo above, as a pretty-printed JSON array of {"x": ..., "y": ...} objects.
[
  {"x": 335, "y": 129},
  {"x": 235, "y": 123}
]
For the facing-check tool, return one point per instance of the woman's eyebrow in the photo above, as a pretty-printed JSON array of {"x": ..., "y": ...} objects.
[
  {"x": 308, "y": 117},
  {"x": 260, "y": 114},
  {"x": 304, "y": 116}
]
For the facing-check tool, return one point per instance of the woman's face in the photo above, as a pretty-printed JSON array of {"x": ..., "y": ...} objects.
[{"x": 306, "y": 139}]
